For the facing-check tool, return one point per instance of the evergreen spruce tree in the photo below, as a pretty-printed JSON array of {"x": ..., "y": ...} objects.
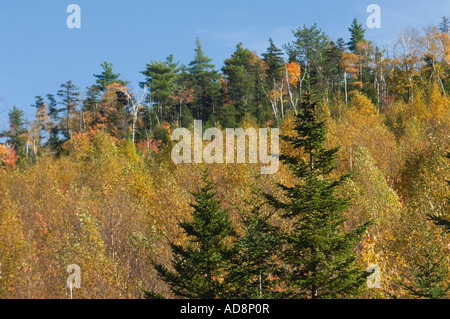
[
  {"x": 429, "y": 273},
  {"x": 15, "y": 134},
  {"x": 204, "y": 81},
  {"x": 200, "y": 265},
  {"x": 319, "y": 255},
  {"x": 201, "y": 63},
  {"x": 54, "y": 140},
  {"x": 331, "y": 68},
  {"x": 357, "y": 35},
  {"x": 245, "y": 73},
  {"x": 108, "y": 77},
  {"x": 444, "y": 26},
  {"x": 236, "y": 69},
  {"x": 255, "y": 263},
  {"x": 69, "y": 99},
  {"x": 275, "y": 63}
]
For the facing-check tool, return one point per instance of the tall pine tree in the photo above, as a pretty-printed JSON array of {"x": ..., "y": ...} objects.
[
  {"x": 204, "y": 81},
  {"x": 16, "y": 134},
  {"x": 255, "y": 265},
  {"x": 200, "y": 265},
  {"x": 108, "y": 77},
  {"x": 444, "y": 26},
  {"x": 160, "y": 77},
  {"x": 357, "y": 35},
  {"x": 275, "y": 63},
  {"x": 319, "y": 255},
  {"x": 69, "y": 95},
  {"x": 429, "y": 274},
  {"x": 54, "y": 140},
  {"x": 245, "y": 72}
]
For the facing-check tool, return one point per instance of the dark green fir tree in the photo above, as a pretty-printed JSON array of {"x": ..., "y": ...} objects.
[
  {"x": 69, "y": 95},
  {"x": 108, "y": 77},
  {"x": 200, "y": 266},
  {"x": 54, "y": 139},
  {"x": 15, "y": 135},
  {"x": 255, "y": 264},
  {"x": 429, "y": 273},
  {"x": 203, "y": 79},
  {"x": 275, "y": 63},
  {"x": 357, "y": 35},
  {"x": 318, "y": 253}
]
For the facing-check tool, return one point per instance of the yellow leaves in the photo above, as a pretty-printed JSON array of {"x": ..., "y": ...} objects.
[
  {"x": 428, "y": 108},
  {"x": 90, "y": 232},
  {"x": 360, "y": 124},
  {"x": 79, "y": 145},
  {"x": 166, "y": 125},
  {"x": 128, "y": 149},
  {"x": 294, "y": 71},
  {"x": 274, "y": 94},
  {"x": 110, "y": 208},
  {"x": 437, "y": 45},
  {"x": 363, "y": 105},
  {"x": 12, "y": 249},
  {"x": 439, "y": 106}
]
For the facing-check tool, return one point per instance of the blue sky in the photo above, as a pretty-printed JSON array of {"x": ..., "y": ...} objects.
[{"x": 38, "y": 51}]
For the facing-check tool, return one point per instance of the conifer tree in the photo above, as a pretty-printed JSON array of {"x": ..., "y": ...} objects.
[
  {"x": 15, "y": 134},
  {"x": 54, "y": 140},
  {"x": 91, "y": 107},
  {"x": 204, "y": 82},
  {"x": 200, "y": 265},
  {"x": 254, "y": 263},
  {"x": 108, "y": 77},
  {"x": 357, "y": 35},
  {"x": 69, "y": 99},
  {"x": 201, "y": 63},
  {"x": 275, "y": 63},
  {"x": 444, "y": 26},
  {"x": 309, "y": 49},
  {"x": 319, "y": 255},
  {"x": 245, "y": 72},
  {"x": 160, "y": 77},
  {"x": 429, "y": 273}
]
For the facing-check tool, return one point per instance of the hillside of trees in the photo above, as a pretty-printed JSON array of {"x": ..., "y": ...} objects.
[{"x": 362, "y": 181}]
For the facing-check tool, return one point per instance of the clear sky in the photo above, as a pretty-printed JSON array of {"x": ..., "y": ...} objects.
[{"x": 38, "y": 51}]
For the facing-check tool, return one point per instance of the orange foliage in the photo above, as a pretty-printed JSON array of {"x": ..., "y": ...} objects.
[
  {"x": 149, "y": 146},
  {"x": 350, "y": 63},
  {"x": 8, "y": 157},
  {"x": 184, "y": 96},
  {"x": 294, "y": 72}
]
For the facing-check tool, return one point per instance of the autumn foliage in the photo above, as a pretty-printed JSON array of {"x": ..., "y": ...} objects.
[{"x": 109, "y": 198}]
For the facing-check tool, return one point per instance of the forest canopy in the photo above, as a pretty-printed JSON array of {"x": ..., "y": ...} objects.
[{"x": 364, "y": 150}]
